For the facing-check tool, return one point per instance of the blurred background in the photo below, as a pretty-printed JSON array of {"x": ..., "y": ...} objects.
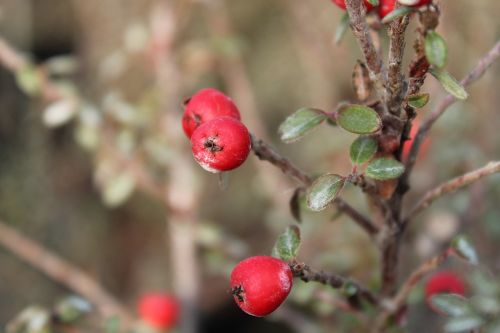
[{"x": 94, "y": 166}]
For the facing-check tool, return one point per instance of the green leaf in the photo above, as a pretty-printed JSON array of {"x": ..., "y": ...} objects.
[
  {"x": 28, "y": 80},
  {"x": 299, "y": 123},
  {"x": 465, "y": 249},
  {"x": 363, "y": 149},
  {"x": 72, "y": 308},
  {"x": 464, "y": 323},
  {"x": 341, "y": 28},
  {"x": 398, "y": 12},
  {"x": 118, "y": 189},
  {"x": 373, "y": 2},
  {"x": 324, "y": 190},
  {"x": 449, "y": 83},
  {"x": 288, "y": 243},
  {"x": 436, "y": 50},
  {"x": 112, "y": 324},
  {"x": 451, "y": 304},
  {"x": 487, "y": 304},
  {"x": 349, "y": 289},
  {"x": 384, "y": 169},
  {"x": 418, "y": 101},
  {"x": 59, "y": 112},
  {"x": 358, "y": 119}
]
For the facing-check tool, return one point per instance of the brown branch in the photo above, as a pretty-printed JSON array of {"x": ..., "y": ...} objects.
[
  {"x": 476, "y": 73},
  {"x": 266, "y": 153},
  {"x": 395, "y": 305},
  {"x": 453, "y": 185},
  {"x": 359, "y": 27},
  {"x": 307, "y": 274},
  {"x": 62, "y": 272}
]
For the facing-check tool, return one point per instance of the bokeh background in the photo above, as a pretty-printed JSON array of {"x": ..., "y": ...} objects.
[{"x": 132, "y": 63}]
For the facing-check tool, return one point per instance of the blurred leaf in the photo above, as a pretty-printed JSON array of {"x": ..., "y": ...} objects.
[
  {"x": 33, "y": 319},
  {"x": 464, "y": 248},
  {"x": 295, "y": 204},
  {"x": 418, "y": 101},
  {"x": 288, "y": 243},
  {"x": 358, "y": 119},
  {"x": 486, "y": 304},
  {"x": 374, "y": 2},
  {"x": 324, "y": 190},
  {"x": 494, "y": 327},
  {"x": 342, "y": 28},
  {"x": 349, "y": 289},
  {"x": 60, "y": 112},
  {"x": 72, "y": 308},
  {"x": 299, "y": 123},
  {"x": 363, "y": 149},
  {"x": 451, "y": 304},
  {"x": 62, "y": 65},
  {"x": 449, "y": 83},
  {"x": 483, "y": 283},
  {"x": 384, "y": 169},
  {"x": 436, "y": 50},
  {"x": 112, "y": 324},
  {"x": 361, "y": 81},
  {"x": 398, "y": 12},
  {"x": 28, "y": 80},
  {"x": 118, "y": 188},
  {"x": 464, "y": 323}
]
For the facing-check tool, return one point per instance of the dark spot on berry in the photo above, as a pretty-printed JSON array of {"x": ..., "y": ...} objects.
[
  {"x": 238, "y": 292},
  {"x": 211, "y": 145},
  {"x": 197, "y": 119}
]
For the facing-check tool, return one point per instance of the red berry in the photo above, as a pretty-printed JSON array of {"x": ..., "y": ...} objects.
[
  {"x": 205, "y": 105},
  {"x": 414, "y": 3},
  {"x": 424, "y": 147},
  {"x": 221, "y": 144},
  {"x": 158, "y": 310},
  {"x": 386, "y": 6},
  {"x": 341, "y": 4},
  {"x": 260, "y": 284},
  {"x": 443, "y": 282}
]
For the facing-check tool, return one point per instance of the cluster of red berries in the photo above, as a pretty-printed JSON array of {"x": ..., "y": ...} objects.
[
  {"x": 158, "y": 310},
  {"x": 219, "y": 141},
  {"x": 443, "y": 282},
  {"x": 386, "y": 6}
]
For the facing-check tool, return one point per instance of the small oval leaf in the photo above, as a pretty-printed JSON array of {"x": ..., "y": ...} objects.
[
  {"x": 398, "y": 12},
  {"x": 299, "y": 123},
  {"x": 418, "y": 101},
  {"x": 449, "y": 83},
  {"x": 463, "y": 324},
  {"x": 436, "y": 50},
  {"x": 59, "y": 112},
  {"x": 341, "y": 28},
  {"x": 363, "y": 149},
  {"x": 324, "y": 190},
  {"x": 464, "y": 249},
  {"x": 358, "y": 119},
  {"x": 288, "y": 243},
  {"x": 384, "y": 169},
  {"x": 451, "y": 304}
]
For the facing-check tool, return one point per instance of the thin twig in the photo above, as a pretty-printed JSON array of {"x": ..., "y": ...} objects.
[
  {"x": 306, "y": 274},
  {"x": 61, "y": 271},
  {"x": 266, "y": 153},
  {"x": 394, "y": 305},
  {"x": 453, "y": 185},
  {"x": 476, "y": 73}
]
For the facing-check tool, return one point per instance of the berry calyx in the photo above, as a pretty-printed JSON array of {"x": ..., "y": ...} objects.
[
  {"x": 205, "y": 105},
  {"x": 385, "y": 7},
  {"x": 260, "y": 284},
  {"x": 341, "y": 4},
  {"x": 446, "y": 282},
  {"x": 220, "y": 144},
  {"x": 158, "y": 310},
  {"x": 414, "y": 3}
]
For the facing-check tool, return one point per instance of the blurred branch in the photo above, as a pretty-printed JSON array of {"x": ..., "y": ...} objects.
[
  {"x": 306, "y": 274},
  {"x": 264, "y": 152},
  {"x": 453, "y": 185},
  {"x": 359, "y": 27},
  {"x": 394, "y": 305},
  {"x": 62, "y": 272},
  {"x": 476, "y": 73}
]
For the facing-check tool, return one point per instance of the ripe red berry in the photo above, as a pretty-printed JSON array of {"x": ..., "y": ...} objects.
[
  {"x": 260, "y": 284},
  {"x": 220, "y": 144},
  {"x": 385, "y": 7},
  {"x": 424, "y": 147},
  {"x": 205, "y": 105},
  {"x": 158, "y": 310},
  {"x": 341, "y": 4},
  {"x": 414, "y": 3},
  {"x": 443, "y": 282}
]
